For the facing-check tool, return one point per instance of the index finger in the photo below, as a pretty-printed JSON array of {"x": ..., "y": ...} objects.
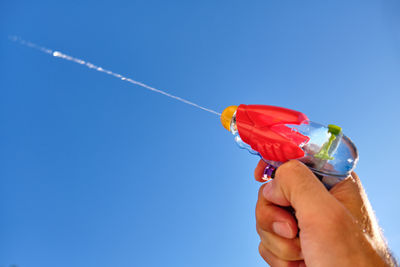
[
  {"x": 259, "y": 171},
  {"x": 267, "y": 214}
]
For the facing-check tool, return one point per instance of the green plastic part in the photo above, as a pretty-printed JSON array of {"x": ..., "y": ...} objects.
[
  {"x": 323, "y": 154},
  {"x": 334, "y": 129}
]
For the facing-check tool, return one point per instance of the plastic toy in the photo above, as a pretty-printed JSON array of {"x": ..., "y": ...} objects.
[{"x": 279, "y": 134}]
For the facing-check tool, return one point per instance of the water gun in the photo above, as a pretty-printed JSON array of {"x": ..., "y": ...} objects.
[{"x": 279, "y": 134}]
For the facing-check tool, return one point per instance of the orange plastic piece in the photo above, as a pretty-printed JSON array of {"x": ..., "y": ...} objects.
[{"x": 226, "y": 116}]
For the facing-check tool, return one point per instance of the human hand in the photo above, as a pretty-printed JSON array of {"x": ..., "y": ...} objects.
[{"x": 331, "y": 228}]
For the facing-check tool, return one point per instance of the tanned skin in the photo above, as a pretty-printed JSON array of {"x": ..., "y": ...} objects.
[{"x": 327, "y": 228}]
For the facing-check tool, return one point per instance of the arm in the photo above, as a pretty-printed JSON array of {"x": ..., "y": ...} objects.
[{"x": 331, "y": 228}]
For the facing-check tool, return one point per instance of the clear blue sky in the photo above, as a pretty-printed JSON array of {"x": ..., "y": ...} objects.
[{"x": 96, "y": 172}]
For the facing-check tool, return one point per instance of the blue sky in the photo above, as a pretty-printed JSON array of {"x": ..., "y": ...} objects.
[{"x": 97, "y": 172}]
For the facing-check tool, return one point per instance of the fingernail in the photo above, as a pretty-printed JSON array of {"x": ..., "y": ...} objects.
[
  {"x": 267, "y": 189},
  {"x": 283, "y": 229}
]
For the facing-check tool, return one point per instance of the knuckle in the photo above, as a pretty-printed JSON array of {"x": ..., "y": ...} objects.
[
  {"x": 295, "y": 177},
  {"x": 258, "y": 229},
  {"x": 263, "y": 217},
  {"x": 288, "y": 168},
  {"x": 289, "y": 251},
  {"x": 260, "y": 192},
  {"x": 261, "y": 249},
  {"x": 284, "y": 249},
  {"x": 263, "y": 253},
  {"x": 260, "y": 217},
  {"x": 293, "y": 164}
]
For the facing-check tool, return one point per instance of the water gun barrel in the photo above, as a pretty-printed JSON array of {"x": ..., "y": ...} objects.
[{"x": 279, "y": 134}]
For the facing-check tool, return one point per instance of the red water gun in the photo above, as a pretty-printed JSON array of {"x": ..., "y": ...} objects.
[{"x": 279, "y": 134}]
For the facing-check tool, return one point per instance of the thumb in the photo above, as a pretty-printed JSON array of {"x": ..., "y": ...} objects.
[{"x": 295, "y": 185}]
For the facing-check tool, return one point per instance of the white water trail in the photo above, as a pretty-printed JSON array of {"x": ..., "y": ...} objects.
[{"x": 89, "y": 65}]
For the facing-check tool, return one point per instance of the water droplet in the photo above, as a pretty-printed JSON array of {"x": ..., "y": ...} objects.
[{"x": 56, "y": 54}]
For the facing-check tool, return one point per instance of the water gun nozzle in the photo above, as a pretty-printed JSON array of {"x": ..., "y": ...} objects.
[{"x": 227, "y": 115}]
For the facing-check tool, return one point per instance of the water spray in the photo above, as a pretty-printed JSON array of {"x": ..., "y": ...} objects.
[{"x": 275, "y": 134}]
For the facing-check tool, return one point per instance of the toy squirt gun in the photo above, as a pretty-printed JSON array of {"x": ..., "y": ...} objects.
[{"x": 278, "y": 134}]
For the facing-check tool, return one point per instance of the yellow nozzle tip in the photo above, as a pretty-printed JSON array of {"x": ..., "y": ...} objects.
[{"x": 227, "y": 115}]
